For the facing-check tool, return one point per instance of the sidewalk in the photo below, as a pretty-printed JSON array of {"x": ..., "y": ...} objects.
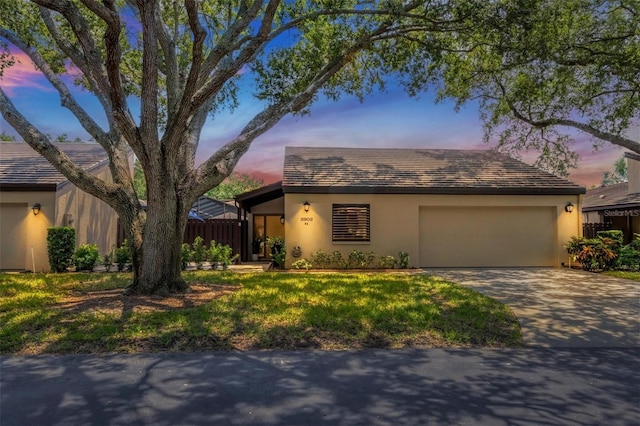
[{"x": 579, "y": 386}]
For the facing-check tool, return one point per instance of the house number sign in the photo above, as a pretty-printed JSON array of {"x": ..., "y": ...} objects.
[{"x": 306, "y": 220}]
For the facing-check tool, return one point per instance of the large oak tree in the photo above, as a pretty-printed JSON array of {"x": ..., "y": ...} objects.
[
  {"x": 181, "y": 61},
  {"x": 541, "y": 67}
]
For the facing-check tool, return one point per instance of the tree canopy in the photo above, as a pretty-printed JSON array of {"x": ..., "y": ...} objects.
[{"x": 540, "y": 67}]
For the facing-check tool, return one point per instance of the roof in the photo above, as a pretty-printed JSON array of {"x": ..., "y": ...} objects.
[
  {"x": 208, "y": 208},
  {"x": 23, "y": 169},
  {"x": 611, "y": 196},
  {"x": 270, "y": 192},
  {"x": 416, "y": 171}
]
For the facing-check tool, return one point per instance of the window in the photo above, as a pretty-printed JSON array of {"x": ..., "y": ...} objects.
[{"x": 351, "y": 222}]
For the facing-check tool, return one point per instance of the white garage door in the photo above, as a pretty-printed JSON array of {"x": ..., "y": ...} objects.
[
  {"x": 487, "y": 236},
  {"x": 12, "y": 234}
]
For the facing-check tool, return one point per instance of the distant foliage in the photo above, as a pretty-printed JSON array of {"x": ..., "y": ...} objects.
[
  {"x": 235, "y": 184},
  {"x": 605, "y": 252},
  {"x": 61, "y": 242}
]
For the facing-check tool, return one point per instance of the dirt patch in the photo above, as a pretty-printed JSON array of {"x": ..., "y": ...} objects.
[{"x": 114, "y": 301}]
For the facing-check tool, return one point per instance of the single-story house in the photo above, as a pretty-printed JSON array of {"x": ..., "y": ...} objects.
[
  {"x": 616, "y": 206},
  {"x": 445, "y": 208},
  {"x": 35, "y": 196}
]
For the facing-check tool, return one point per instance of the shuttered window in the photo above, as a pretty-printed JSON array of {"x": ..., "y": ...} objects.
[{"x": 351, "y": 222}]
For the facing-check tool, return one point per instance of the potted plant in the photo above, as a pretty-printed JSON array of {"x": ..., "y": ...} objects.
[
  {"x": 255, "y": 249},
  {"x": 216, "y": 256},
  {"x": 278, "y": 250}
]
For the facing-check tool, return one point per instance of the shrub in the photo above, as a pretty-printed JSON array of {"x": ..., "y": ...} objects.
[
  {"x": 387, "y": 262},
  {"x": 629, "y": 258},
  {"x": 122, "y": 256},
  {"x": 338, "y": 260},
  {"x": 403, "y": 263},
  {"x": 107, "y": 261},
  {"x": 61, "y": 242},
  {"x": 593, "y": 254},
  {"x": 199, "y": 251},
  {"x": 85, "y": 257},
  {"x": 301, "y": 264},
  {"x": 185, "y": 255},
  {"x": 321, "y": 259},
  {"x": 358, "y": 259},
  {"x": 278, "y": 250}
]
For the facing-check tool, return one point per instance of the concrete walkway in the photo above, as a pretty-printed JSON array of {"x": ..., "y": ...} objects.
[{"x": 561, "y": 307}]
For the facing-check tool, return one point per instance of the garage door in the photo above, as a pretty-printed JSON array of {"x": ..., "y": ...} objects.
[
  {"x": 487, "y": 236},
  {"x": 12, "y": 244}
]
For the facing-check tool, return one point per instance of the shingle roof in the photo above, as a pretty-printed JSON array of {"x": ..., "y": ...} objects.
[
  {"x": 610, "y": 196},
  {"x": 415, "y": 171},
  {"x": 22, "y": 168}
]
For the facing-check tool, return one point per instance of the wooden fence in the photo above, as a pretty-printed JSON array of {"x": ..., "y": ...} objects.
[
  {"x": 590, "y": 230},
  {"x": 222, "y": 231}
]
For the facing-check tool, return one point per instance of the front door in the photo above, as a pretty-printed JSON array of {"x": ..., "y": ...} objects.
[{"x": 265, "y": 226}]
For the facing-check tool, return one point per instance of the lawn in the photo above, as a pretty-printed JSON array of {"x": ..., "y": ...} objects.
[
  {"x": 86, "y": 313},
  {"x": 630, "y": 275}
]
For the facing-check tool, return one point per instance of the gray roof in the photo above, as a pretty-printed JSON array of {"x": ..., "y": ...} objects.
[
  {"x": 208, "y": 208},
  {"x": 611, "y": 196},
  {"x": 22, "y": 168},
  {"x": 415, "y": 171}
]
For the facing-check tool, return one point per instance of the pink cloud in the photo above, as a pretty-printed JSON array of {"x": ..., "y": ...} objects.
[{"x": 23, "y": 74}]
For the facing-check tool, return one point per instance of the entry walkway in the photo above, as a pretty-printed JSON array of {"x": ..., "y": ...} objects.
[{"x": 561, "y": 307}]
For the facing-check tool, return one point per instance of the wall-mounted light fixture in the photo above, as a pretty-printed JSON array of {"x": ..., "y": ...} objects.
[
  {"x": 282, "y": 219},
  {"x": 569, "y": 207},
  {"x": 306, "y": 206},
  {"x": 36, "y": 209}
]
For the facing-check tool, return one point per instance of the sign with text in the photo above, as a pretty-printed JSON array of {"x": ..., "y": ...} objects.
[{"x": 616, "y": 213}]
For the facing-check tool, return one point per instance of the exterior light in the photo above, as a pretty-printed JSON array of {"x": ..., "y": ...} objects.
[
  {"x": 306, "y": 206},
  {"x": 36, "y": 209},
  {"x": 282, "y": 219},
  {"x": 569, "y": 207}
]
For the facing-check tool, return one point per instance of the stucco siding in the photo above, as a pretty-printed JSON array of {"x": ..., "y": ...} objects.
[
  {"x": 24, "y": 235},
  {"x": 95, "y": 221},
  {"x": 395, "y": 220}
]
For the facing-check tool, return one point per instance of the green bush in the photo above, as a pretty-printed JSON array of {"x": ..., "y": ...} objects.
[
  {"x": 387, "y": 262},
  {"x": 199, "y": 251},
  {"x": 185, "y": 255},
  {"x": 302, "y": 264},
  {"x": 403, "y": 263},
  {"x": 321, "y": 259},
  {"x": 61, "y": 242},
  {"x": 107, "y": 261},
  {"x": 85, "y": 257},
  {"x": 278, "y": 250},
  {"x": 338, "y": 260},
  {"x": 122, "y": 256},
  {"x": 358, "y": 259}
]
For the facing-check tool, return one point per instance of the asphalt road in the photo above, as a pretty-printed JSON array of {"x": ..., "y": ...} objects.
[{"x": 541, "y": 386}]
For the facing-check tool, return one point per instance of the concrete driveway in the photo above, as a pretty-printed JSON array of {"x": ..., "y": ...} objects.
[{"x": 561, "y": 307}]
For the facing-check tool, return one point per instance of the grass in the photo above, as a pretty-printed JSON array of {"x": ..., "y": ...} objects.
[
  {"x": 268, "y": 311},
  {"x": 630, "y": 275}
]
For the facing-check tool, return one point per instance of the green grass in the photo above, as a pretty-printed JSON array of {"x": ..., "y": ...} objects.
[
  {"x": 267, "y": 311},
  {"x": 630, "y": 275}
]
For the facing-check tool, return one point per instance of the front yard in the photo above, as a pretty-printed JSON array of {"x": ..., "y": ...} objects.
[{"x": 86, "y": 313}]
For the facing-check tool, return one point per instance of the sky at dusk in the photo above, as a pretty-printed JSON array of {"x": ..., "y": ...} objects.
[{"x": 383, "y": 120}]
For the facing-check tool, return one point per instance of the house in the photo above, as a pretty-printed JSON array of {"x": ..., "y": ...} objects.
[
  {"x": 616, "y": 206},
  {"x": 35, "y": 196},
  {"x": 445, "y": 208}
]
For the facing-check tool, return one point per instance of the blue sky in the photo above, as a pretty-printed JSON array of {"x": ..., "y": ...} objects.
[{"x": 389, "y": 119}]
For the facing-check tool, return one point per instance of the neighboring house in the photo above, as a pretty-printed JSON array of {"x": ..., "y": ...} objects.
[
  {"x": 208, "y": 208},
  {"x": 616, "y": 206},
  {"x": 446, "y": 208},
  {"x": 27, "y": 179}
]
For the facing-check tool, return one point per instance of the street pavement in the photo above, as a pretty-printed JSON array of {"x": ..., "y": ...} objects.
[{"x": 542, "y": 386}]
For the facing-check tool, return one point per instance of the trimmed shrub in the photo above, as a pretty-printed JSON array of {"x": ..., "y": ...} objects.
[
  {"x": 403, "y": 263},
  {"x": 85, "y": 257},
  {"x": 61, "y": 243},
  {"x": 321, "y": 259},
  {"x": 185, "y": 255},
  {"x": 301, "y": 264},
  {"x": 594, "y": 254},
  {"x": 358, "y": 259},
  {"x": 338, "y": 260},
  {"x": 199, "y": 251}
]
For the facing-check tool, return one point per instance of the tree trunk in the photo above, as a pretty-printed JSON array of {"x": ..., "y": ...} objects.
[{"x": 156, "y": 258}]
